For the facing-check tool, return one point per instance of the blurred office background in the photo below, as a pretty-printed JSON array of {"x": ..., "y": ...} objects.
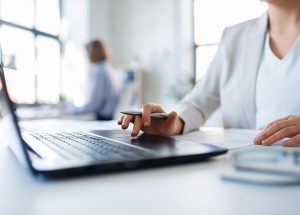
[{"x": 168, "y": 43}]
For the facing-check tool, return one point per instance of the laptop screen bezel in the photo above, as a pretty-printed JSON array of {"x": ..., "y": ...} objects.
[{"x": 23, "y": 150}]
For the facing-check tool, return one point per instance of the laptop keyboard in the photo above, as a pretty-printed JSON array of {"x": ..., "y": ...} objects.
[{"x": 82, "y": 146}]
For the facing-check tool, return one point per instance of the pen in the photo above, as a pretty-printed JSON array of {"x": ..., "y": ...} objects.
[{"x": 153, "y": 115}]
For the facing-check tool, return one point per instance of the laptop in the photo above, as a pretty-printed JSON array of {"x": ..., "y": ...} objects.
[{"x": 62, "y": 154}]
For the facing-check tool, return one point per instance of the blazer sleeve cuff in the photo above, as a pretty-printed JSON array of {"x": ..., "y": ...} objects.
[{"x": 192, "y": 117}]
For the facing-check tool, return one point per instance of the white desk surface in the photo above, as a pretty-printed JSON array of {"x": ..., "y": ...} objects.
[{"x": 184, "y": 189}]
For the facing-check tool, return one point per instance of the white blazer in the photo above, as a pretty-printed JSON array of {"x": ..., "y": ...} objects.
[{"x": 230, "y": 81}]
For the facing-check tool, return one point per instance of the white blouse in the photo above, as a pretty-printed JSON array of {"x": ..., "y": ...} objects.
[{"x": 278, "y": 85}]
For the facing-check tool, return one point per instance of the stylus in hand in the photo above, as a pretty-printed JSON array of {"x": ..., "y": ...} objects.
[{"x": 153, "y": 115}]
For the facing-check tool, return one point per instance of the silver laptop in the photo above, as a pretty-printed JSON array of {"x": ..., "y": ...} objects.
[{"x": 63, "y": 154}]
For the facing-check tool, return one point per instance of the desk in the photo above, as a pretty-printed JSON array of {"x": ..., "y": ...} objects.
[{"x": 184, "y": 189}]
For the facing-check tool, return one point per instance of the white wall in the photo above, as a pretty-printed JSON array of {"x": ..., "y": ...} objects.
[{"x": 99, "y": 15}]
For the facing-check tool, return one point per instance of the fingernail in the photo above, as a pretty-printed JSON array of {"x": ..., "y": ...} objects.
[
  {"x": 146, "y": 123},
  {"x": 264, "y": 142}
]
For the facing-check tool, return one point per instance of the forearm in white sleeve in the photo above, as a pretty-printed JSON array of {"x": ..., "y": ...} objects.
[{"x": 204, "y": 99}]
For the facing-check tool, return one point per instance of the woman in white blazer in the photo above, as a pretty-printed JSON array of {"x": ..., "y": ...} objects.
[{"x": 254, "y": 78}]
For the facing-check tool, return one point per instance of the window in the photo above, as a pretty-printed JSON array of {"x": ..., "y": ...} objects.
[
  {"x": 29, "y": 37},
  {"x": 210, "y": 19}
]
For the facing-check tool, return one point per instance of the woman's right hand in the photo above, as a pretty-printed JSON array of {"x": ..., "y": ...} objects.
[{"x": 172, "y": 125}]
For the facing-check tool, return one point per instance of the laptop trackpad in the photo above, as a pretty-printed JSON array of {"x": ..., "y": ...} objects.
[{"x": 153, "y": 142}]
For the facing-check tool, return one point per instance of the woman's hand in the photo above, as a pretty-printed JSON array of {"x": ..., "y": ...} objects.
[
  {"x": 286, "y": 127},
  {"x": 169, "y": 126}
]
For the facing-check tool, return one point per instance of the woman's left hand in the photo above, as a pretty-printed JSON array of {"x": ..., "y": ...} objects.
[{"x": 286, "y": 127}]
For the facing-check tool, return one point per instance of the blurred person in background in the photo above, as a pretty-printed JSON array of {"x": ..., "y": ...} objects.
[{"x": 101, "y": 93}]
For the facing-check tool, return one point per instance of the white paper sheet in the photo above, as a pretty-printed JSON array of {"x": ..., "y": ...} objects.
[{"x": 226, "y": 138}]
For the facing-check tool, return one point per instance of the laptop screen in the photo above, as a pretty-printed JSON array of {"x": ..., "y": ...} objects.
[{"x": 8, "y": 123}]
